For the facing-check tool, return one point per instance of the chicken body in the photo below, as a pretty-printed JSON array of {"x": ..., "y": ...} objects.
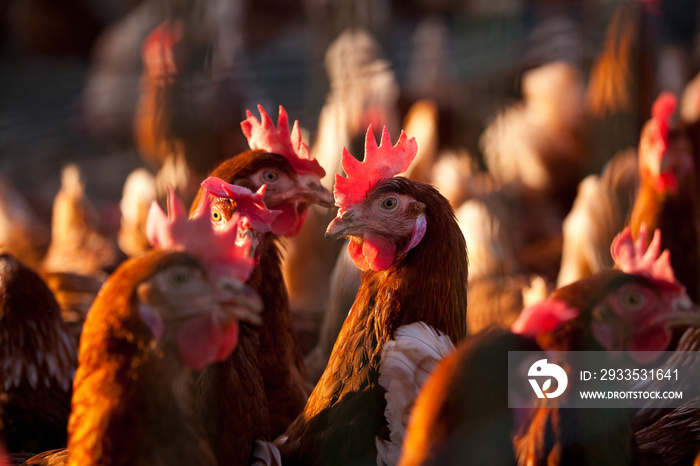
[
  {"x": 459, "y": 417},
  {"x": 180, "y": 109},
  {"x": 277, "y": 358},
  {"x": 159, "y": 316},
  {"x": 39, "y": 356},
  {"x": 345, "y": 412},
  {"x": 667, "y": 198},
  {"x": 458, "y": 421},
  {"x": 616, "y": 311}
]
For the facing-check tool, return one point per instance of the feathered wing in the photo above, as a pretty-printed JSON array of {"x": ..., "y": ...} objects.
[
  {"x": 406, "y": 363},
  {"x": 674, "y": 438}
]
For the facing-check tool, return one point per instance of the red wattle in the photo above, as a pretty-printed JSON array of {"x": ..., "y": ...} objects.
[
  {"x": 355, "y": 251},
  {"x": 290, "y": 221},
  {"x": 379, "y": 251},
  {"x": 200, "y": 341}
]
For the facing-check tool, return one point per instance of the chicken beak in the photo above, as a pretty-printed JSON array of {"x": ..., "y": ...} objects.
[
  {"x": 311, "y": 189},
  {"x": 239, "y": 301},
  {"x": 343, "y": 225},
  {"x": 685, "y": 314}
]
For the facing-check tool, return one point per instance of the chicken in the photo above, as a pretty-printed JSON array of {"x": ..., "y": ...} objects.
[
  {"x": 458, "y": 421},
  {"x": 77, "y": 243},
  {"x": 600, "y": 210},
  {"x": 180, "y": 107},
  {"x": 539, "y": 143},
  {"x": 617, "y": 87},
  {"x": 281, "y": 162},
  {"x": 668, "y": 192},
  {"x": 159, "y": 317},
  {"x": 630, "y": 310},
  {"x": 404, "y": 236},
  {"x": 138, "y": 193},
  {"x": 495, "y": 280},
  {"x": 38, "y": 356}
]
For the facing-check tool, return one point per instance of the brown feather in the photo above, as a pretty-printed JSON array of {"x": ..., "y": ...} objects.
[
  {"x": 278, "y": 359},
  {"x": 346, "y": 409}
]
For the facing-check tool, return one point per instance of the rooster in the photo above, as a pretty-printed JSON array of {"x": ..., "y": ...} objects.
[
  {"x": 404, "y": 236},
  {"x": 159, "y": 317},
  {"x": 38, "y": 356},
  {"x": 667, "y": 196},
  {"x": 281, "y": 162}
]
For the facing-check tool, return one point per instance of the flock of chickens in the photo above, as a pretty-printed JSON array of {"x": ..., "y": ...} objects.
[{"x": 232, "y": 333}]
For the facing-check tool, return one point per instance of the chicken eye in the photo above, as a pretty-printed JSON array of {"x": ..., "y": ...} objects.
[
  {"x": 632, "y": 300},
  {"x": 270, "y": 176},
  {"x": 179, "y": 278},
  {"x": 390, "y": 203},
  {"x": 216, "y": 216}
]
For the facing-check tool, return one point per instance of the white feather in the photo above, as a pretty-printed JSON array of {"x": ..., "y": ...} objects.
[
  {"x": 265, "y": 454},
  {"x": 406, "y": 363}
]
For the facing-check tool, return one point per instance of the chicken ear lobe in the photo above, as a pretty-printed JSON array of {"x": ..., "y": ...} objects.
[
  {"x": 419, "y": 227},
  {"x": 150, "y": 316}
]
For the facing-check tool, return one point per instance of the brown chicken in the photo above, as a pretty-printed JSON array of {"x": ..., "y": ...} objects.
[
  {"x": 459, "y": 421},
  {"x": 38, "y": 356},
  {"x": 180, "y": 111},
  {"x": 158, "y": 317},
  {"x": 404, "y": 236},
  {"x": 281, "y": 163},
  {"x": 631, "y": 310},
  {"x": 667, "y": 197}
]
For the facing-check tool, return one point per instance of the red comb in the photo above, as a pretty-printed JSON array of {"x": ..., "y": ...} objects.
[
  {"x": 380, "y": 162},
  {"x": 264, "y": 136},
  {"x": 222, "y": 251},
  {"x": 162, "y": 37},
  {"x": 662, "y": 111},
  {"x": 543, "y": 317},
  {"x": 250, "y": 205},
  {"x": 634, "y": 257}
]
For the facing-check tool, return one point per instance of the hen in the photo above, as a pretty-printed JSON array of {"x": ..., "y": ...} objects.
[
  {"x": 668, "y": 191},
  {"x": 158, "y": 317},
  {"x": 280, "y": 162},
  {"x": 615, "y": 310},
  {"x": 180, "y": 108},
  {"x": 631, "y": 310},
  {"x": 404, "y": 236},
  {"x": 38, "y": 356}
]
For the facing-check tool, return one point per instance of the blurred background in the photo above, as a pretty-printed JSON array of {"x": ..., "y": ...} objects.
[
  {"x": 70, "y": 69},
  {"x": 535, "y": 94}
]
